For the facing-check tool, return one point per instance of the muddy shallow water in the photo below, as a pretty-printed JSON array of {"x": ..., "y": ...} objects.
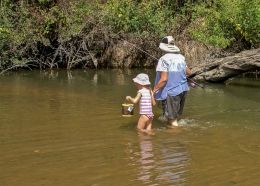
[{"x": 66, "y": 129}]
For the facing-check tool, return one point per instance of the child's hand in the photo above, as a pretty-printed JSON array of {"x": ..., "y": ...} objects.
[{"x": 128, "y": 98}]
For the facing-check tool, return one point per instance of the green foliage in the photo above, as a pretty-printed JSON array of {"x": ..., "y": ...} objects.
[
  {"x": 249, "y": 20},
  {"x": 4, "y": 34},
  {"x": 226, "y": 22},
  {"x": 12, "y": 34},
  {"x": 145, "y": 18},
  {"x": 24, "y": 25},
  {"x": 18, "y": 26},
  {"x": 5, "y": 25},
  {"x": 44, "y": 1},
  {"x": 75, "y": 19}
]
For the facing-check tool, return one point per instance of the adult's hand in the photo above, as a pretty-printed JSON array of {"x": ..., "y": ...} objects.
[
  {"x": 162, "y": 81},
  {"x": 188, "y": 71}
]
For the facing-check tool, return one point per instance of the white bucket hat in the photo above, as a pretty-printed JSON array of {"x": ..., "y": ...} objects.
[
  {"x": 167, "y": 45},
  {"x": 142, "y": 79}
]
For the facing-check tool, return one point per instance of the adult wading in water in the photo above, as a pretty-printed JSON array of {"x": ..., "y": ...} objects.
[{"x": 171, "y": 84}]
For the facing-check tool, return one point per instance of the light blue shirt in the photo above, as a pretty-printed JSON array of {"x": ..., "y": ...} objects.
[{"x": 175, "y": 65}]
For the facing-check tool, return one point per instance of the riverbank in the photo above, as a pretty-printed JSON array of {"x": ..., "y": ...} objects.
[{"x": 114, "y": 34}]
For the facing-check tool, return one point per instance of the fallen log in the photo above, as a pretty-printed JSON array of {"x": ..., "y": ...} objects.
[{"x": 224, "y": 68}]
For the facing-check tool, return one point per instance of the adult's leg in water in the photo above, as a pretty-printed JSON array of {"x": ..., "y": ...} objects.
[{"x": 173, "y": 122}]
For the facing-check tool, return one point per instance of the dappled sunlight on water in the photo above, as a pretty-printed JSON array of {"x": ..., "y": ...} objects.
[{"x": 61, "y": 128}]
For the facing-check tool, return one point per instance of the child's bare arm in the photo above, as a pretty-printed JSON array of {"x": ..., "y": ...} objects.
[{"x": 134, "y": 100}]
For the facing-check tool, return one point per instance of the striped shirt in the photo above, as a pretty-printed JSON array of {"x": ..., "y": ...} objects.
[{"x": 145, "y": 102}]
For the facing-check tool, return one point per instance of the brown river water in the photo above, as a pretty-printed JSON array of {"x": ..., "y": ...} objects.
[{"x": 61, "y": 128}]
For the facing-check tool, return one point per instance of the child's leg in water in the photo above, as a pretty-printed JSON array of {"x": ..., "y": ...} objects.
[
  {"x": 142, "y": 122},
  {"x": 149, "y": 127},
  {"x": 145, "y": 125},
  {"x": 149, "y": 124}
]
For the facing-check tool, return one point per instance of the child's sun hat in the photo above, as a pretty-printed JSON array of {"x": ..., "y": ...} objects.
[
  {"x": 142, "y": 79},
  {"x": 167, "y": 45}
]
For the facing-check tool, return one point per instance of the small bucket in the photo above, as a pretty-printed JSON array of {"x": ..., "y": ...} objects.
[{"x": 127, "y": 109}]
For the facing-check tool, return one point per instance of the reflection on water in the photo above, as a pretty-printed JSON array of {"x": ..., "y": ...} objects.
[
  {"x": 161, "y": 164},
  {"x": 64, "y": 128},
  {"x": 147, "y": 162}
]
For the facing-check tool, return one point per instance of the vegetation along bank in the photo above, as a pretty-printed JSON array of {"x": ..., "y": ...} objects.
[{"x": 112, "y": 33}]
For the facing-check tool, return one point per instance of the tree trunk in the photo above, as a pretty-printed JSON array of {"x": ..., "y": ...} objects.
[{"x": 227, "y": 67}]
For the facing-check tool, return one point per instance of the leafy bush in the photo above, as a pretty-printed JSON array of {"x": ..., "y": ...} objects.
[
  {"x": 144, "y": 17},
  {"x": 249, "y": 20},
  {"x": 75, "y": 19},
  {"x": 36, "y": 28},
  {"x": 226, "y": 22}
]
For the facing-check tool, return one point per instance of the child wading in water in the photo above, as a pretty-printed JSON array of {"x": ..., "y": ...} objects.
[{"x": 146, "y": 101}]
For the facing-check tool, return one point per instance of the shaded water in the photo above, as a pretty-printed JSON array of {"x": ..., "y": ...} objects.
[{"x": 65, "y": 129}]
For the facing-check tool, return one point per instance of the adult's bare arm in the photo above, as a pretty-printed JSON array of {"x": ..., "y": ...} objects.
[{"x": 161, "y": 83}]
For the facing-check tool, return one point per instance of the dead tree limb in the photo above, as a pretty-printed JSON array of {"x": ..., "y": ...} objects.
[{"x": 227, "y": 67}]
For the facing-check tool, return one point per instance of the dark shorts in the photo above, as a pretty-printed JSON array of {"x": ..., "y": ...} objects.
[{"x": 173, "y": 105}]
